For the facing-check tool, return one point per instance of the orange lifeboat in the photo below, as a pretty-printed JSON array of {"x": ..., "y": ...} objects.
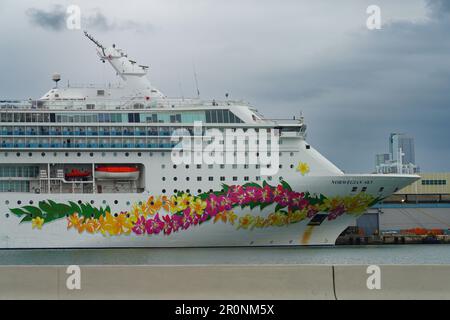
[
  {"x": 77, "y": 174},
  {"x": 117, "y": 173}
]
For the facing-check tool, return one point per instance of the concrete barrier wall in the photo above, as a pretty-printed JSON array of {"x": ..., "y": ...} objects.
[
  {"x": 170, "y": 282},
  {"x": 225, "y": 282},
  {"x": 396, "y": 282}
]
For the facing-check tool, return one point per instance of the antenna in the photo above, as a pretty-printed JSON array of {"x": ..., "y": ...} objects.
[
  {"x": 196, "y": 81},
  {"x": 98, "y": 44}
]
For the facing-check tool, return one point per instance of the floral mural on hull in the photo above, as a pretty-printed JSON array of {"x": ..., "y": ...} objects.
[{"x": 164, "y": 215}]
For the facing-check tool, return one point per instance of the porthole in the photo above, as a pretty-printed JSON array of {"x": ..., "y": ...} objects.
[
  {"x": 19, "y": 202},
  {"x": 78, "y": 154},
  {"x": 18, "y": 154},
  {"x": 139, "y": 154},
  {"x": 175, "y": 190},
  {"x": 292, "y": 154},
  {"x": 66, "y": 154},
  {"x": 291, "y": 166},
  {"x": 30, "y": 202},
  {"x": 104, "y": 201},
  {"x": 188, "y": 191},
  {"x": 115, "y": 154},
  {"x": 174, "y": 166},
  {"x": 187, "y": 178},
  {"x": 151, "y": 154},
  {"x": 30, "y": 154},
  {"x": 116, "y": 202},
  {"x": 103, "y": 154},
  {"x": 211, "y": 190},
  {"x": 175, "y": 178},
  {"x": 91, "y": 154},
  {"x": 163, "y": 178},
  {"x": 199, "y": 190},
  {"x": 7, "y": 202},
  {"x": 80, "y": 202},
  {"x": 55, "y": 154},
  {"x": 126, "y": 154},
  {"x": 7, "y": 215},
  {"x": 43, "y": 154},
  {"x": 187, "y": 166},
  {"x": 163, "y": 190},
  {"x": 92, "y": 201}
]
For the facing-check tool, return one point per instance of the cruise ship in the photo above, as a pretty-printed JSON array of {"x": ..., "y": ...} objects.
[{"x": 126, "y": 166}]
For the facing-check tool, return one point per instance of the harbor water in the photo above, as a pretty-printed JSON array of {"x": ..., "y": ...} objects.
[{"x": 339, "y": 255}]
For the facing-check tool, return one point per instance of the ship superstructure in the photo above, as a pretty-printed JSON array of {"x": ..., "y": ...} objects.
[{"x": 98, "y": 161}]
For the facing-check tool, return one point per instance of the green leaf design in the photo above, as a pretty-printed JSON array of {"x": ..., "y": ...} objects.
[
  {"x": 279, "y": 207},
  {"x": 18, "y": 212},
  {"x": 286, "y": 185},
  {"x": 27, "y": 218},
  {"x": 251, "y": 184},
  {"x": 33, "y": 211},
  {"x": 262, "y": 205}
]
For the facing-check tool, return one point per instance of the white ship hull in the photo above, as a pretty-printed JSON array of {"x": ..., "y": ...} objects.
[{"x": 56, "y": 234}]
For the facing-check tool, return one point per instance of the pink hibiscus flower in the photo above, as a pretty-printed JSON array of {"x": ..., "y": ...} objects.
[
  {"x": 212, "y": 205},
  {"x": 139, "y": 227},
  {"x": 155, "y": 225},
  {"x": 266, "y": 194}
]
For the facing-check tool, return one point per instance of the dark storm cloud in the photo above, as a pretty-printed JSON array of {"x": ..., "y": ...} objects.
[
  {"x": 439, "y": 8},
  {"x": 53, "y": 19},
  {"x": 393, "y": 80},
  {"x": 99, "y": 21}
]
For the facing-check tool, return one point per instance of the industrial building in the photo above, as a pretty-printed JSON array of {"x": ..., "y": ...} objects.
[{"x": 421, "y": 208}]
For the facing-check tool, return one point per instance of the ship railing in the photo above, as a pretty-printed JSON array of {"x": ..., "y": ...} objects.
[{"x": 135, "y": 103}]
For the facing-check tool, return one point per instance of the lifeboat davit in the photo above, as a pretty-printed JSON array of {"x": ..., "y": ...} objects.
[
  {"x": 76, "y": 174},
  {"x": 117, "y": 173}
]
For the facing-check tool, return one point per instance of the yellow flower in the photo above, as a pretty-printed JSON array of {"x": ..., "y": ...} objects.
[
  {"x": 91, "y": 226},
  {"x": 297, "y": 216},
  {"x": 231, "y": 217},
  {"x": 108, "y": 224},
  {"x": 123, "y": 224},
  {"x": 221, "y": 216},
  {"x": 37, "y": 222},
  {"x": 165, "y": 203},
  {"x": 185, "y": 201},
  {"x": 198, "y": 206},
  {"x": 259, "y": 222},
  {"x": 153, "y": 205},
  {"x": 174, "y": 204},
  {"x": 303, "y": 168},
  {"x": 74, "y": 221},
  {"x": 245, "y": 221}
]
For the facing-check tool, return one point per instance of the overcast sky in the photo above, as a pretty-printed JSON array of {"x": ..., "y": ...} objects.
[{"x": 354, "y": 85}]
